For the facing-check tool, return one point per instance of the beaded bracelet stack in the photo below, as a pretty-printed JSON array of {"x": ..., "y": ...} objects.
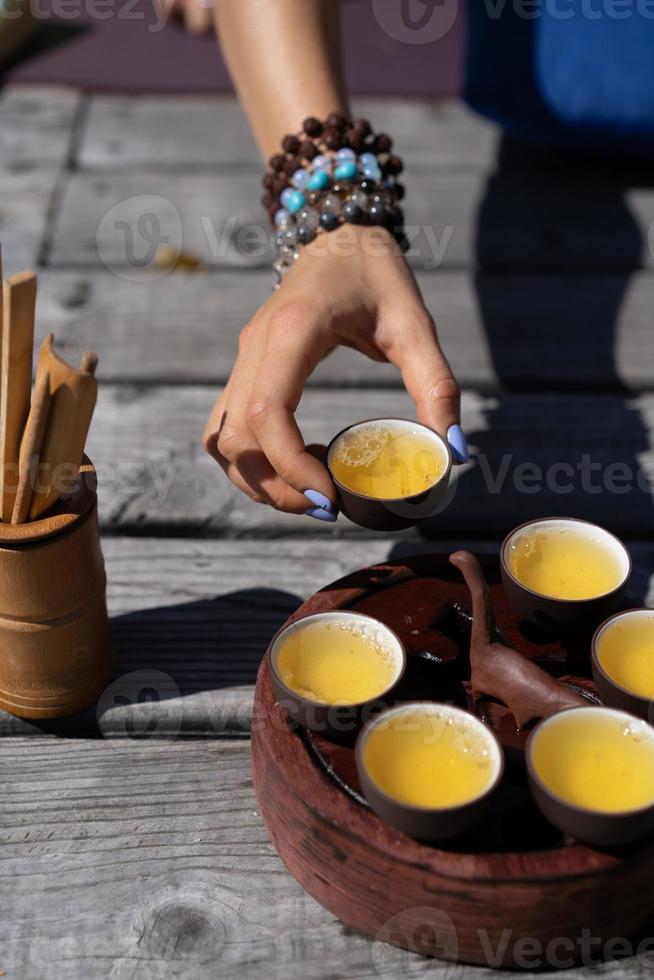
[{"x": 331, "y": 173}]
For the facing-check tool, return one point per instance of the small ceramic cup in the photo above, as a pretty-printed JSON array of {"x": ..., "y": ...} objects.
[
  {"x": 337, "y": 720},
  {"x": 609, "y": 688},
  {"x": 384, "y": 514},
  {"x": 598, "y": 827},
  {"x": 553, "y": 614},
  {"x": 427, "y": 823}
]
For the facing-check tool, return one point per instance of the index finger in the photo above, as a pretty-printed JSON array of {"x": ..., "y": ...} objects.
[
  {"x": 428, "y": 378},
  {"x": 278, "y": 389}
]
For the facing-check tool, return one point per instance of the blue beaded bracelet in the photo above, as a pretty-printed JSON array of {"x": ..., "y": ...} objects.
[{"x": 331, "y": 173}]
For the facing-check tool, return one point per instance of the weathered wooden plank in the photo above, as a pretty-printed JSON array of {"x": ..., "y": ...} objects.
[
  {"x": 586, "y": 455},
  {"x": 509, "y": 221},
  {"x": 36, "y": 127},
  {"x": 24, "y": 202},
  {"x": 158, "y": 855},
  {"x": 188, "y": 133},
  {"x": 191, "y": 620},
  {"x": 119, "y": 221},
  {"x": 526, "y": 330},
  {"x": 185, "y": 132}
]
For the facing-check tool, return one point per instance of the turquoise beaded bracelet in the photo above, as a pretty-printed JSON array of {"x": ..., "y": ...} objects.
[{"x": 329, "y": 174}]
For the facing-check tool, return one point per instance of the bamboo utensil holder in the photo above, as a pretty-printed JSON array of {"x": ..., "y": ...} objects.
[{"x": 55, "y": 649}]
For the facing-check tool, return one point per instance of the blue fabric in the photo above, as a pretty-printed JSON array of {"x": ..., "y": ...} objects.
[{"x": 578, "y": 72}]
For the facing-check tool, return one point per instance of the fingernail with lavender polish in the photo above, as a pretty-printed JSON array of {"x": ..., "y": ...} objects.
[
  {"x": 321, "y": 515},
  {"x": 458, "y": 444},
  {"x": 322, "y": 505}
]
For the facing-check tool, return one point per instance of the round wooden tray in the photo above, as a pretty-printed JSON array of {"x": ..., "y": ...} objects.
[{"x": 510, "y": 892}]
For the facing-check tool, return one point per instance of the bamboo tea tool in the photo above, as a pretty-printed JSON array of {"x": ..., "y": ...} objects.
[
  {"x": 55, "y": 642},
  {"x": 30, "y": 450},
  {"x": 19, "y": 302},
  {"x": 73, "y": 395}
]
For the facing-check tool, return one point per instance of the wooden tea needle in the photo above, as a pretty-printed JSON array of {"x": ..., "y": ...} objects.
[
  {"x": 30, "y": 449},
  {"x": 19, "y": 300}
]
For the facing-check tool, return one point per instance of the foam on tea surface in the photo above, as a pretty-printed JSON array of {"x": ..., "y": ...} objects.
[
  {"x": 387, "y": 460},
  {"x": 565, "y": 560},
  {"x": 625, "y": 649},
  {"x": 597, "y": 759},
  {"x": 430, "y": 757},
  {"x": 337, "y": 661}
]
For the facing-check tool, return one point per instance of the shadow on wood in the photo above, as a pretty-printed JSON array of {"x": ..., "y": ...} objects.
[
  {"x": 511, "y": 190},
  {"x": 173, "y": 666}
]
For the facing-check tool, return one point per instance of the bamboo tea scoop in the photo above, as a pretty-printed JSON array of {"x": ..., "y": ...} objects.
[
  {"x": 72, "y": 394},
  {"x": 18, "y": 305},
  {"x": 499, "y": 671}
]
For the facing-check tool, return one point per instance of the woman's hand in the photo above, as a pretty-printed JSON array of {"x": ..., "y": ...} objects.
[{"x": 350, "y": 287}]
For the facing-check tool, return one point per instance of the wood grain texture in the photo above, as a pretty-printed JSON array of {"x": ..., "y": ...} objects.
[
  {"x": 517, "y": 330},
  {"x": 37, "y": 124},
  {"x": 191, "y": 619},
  {"x": 55, "y": 654},
  {"x": 211, "y": 133},
  {"x": 19, "y": 302},
  {"x": 25, "y": 199},
  {"x": 509, "y": 221},
  {"x": 190, "y": 622},
  {"x": 584, "y": 455},
  {"x": 30, "y": 449},
  {"x": 159, "y": 856},
  {"x": 73, "y": 394}
]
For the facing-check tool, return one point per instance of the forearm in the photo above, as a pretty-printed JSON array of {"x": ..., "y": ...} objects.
[{"x": 285, "y": 59}]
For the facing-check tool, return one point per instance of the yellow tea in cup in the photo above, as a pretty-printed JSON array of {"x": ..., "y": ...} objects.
[
  {"x": 567, "y": 559},
  {"x": 388, "y": 459},
  {"x": 338, "y": 658},
  {"x": 625, "y": 651},
  {"x": 596, "y": 758},
  {"x": 430, "y": 755}
]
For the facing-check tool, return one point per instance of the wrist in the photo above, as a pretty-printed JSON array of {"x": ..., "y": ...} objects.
[{"x": 333, "y": 173}]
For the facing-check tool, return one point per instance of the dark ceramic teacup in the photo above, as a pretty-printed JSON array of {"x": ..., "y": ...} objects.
[
  {"x": 427, "y": 823},
  {"x": 553, "y": 614},
  {"x": 610, "y": 690},
  {"x": 604, "y": 828},
  {"x": 393, "y": 514},
  {"x": 336, "y": 720}
]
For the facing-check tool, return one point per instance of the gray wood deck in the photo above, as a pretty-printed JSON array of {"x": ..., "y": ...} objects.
[{"x": 131, "y": 856}]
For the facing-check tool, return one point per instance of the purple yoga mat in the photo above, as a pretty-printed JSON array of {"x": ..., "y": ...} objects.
[{"x": 392, "y": 47}]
